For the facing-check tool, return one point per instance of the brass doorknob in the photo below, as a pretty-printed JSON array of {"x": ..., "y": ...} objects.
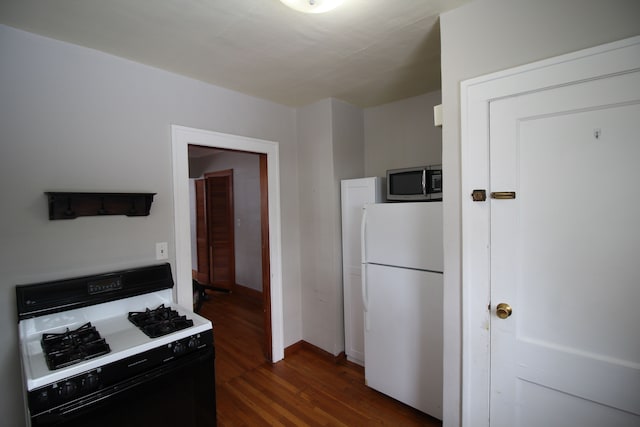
[{"x": 503, "y": 310}]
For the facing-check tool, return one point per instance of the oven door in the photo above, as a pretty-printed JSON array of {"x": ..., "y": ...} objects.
[{"x": 180, "y": 393}]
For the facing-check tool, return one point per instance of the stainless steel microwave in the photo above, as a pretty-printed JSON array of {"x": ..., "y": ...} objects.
[{"x": 421, "y": 183}]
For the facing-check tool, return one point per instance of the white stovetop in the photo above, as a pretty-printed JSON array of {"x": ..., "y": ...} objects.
[{"x": 110, "y": 319}]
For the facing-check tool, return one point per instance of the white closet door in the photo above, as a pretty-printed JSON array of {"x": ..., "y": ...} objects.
[{"x": 565, "y": 256}]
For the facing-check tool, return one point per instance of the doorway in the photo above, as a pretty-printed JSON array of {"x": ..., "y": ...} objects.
[
  {"x": 182, "y": 137},
  {"x": 229, "y": 225}
]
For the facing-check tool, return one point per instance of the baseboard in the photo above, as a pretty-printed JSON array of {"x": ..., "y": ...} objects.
[
  {"x": 302, "y": 344},
  {"x": 293, "y": 348},
  {"x": 247, "y": 292},
  {"x": 200, "y": 278},
  {"x": 237, "y": 288}
]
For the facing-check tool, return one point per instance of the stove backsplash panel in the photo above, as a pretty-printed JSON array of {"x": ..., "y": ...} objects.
[{"x": 51, "y": 297}]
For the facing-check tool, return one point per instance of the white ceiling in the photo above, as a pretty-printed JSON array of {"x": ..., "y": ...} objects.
[{"x": 367, "y": 52}]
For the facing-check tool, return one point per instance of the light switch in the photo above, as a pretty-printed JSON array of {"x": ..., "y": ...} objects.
[
  {"x": 162, "y": 251},
  {"x": 437, "y": 115}
]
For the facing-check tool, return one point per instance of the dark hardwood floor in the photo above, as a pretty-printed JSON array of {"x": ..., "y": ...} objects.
[{"x": 307, "y": 388}]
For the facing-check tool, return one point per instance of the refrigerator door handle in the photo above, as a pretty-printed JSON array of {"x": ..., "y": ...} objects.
[
  {"x": 365, "y": 297},
  {"x": 363, "y": 275}
]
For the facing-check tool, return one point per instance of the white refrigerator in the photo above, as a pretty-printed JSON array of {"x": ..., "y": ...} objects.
[{"x": 402, "y": 264}]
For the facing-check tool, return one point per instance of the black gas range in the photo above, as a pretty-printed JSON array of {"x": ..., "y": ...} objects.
[{"x": 113, "y": 349}]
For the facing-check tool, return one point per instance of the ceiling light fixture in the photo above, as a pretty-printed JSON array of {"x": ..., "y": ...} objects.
[{"x": 312, "y": 6}]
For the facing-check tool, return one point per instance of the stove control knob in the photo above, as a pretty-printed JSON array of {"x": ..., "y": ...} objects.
[
  {"x": 193, "y": 343},
  {"x": 68, "y": 389},
  {"x": 43, "y": 396},
  {"x": 178, "y": 348},
  {"x": 91, "y": 382}
]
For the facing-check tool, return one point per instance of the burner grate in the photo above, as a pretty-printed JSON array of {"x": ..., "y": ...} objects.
[
  {"x": 73, "y": 346},
  {"x": 159, "y": 321}
]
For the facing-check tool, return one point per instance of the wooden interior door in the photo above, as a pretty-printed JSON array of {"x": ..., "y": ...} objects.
[
  {"x": 220, "y": 230},
  {"x": 202, "y": 240}
]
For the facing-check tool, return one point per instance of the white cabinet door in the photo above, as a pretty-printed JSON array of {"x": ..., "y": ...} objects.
[
  {"x": 403, "y": 337},
  {"x": 355, "y": 193},
  {"x": 565, "y": 255}
]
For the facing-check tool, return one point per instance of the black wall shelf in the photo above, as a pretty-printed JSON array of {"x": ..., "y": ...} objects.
[{"x": 69, "y": 205}]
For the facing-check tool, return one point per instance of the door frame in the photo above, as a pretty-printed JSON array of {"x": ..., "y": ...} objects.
[
  {"x": 181, "y": 137},
  {"x": 476, "y": 96}
]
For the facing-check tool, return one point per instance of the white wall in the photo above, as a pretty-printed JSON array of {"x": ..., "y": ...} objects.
[
  {"x": 486, "y": 36},
  {"x": 330, "y": 140},
  {"x": 76, "y": 119},
  {"x": 316, "y": 193},
  {"x": 348, "y": 141},
  {"x": 401, "y": 134},
  {"x": 339, "y": 141},
  {"x": 348, "y": 162}
]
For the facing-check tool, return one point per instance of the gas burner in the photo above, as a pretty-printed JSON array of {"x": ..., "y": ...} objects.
[
  {"x": 70, "y": 347},
  {"x": 160, "y": 321}
]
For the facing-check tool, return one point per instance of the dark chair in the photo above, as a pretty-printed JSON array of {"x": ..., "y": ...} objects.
[{"x": 200, "y": 295}]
